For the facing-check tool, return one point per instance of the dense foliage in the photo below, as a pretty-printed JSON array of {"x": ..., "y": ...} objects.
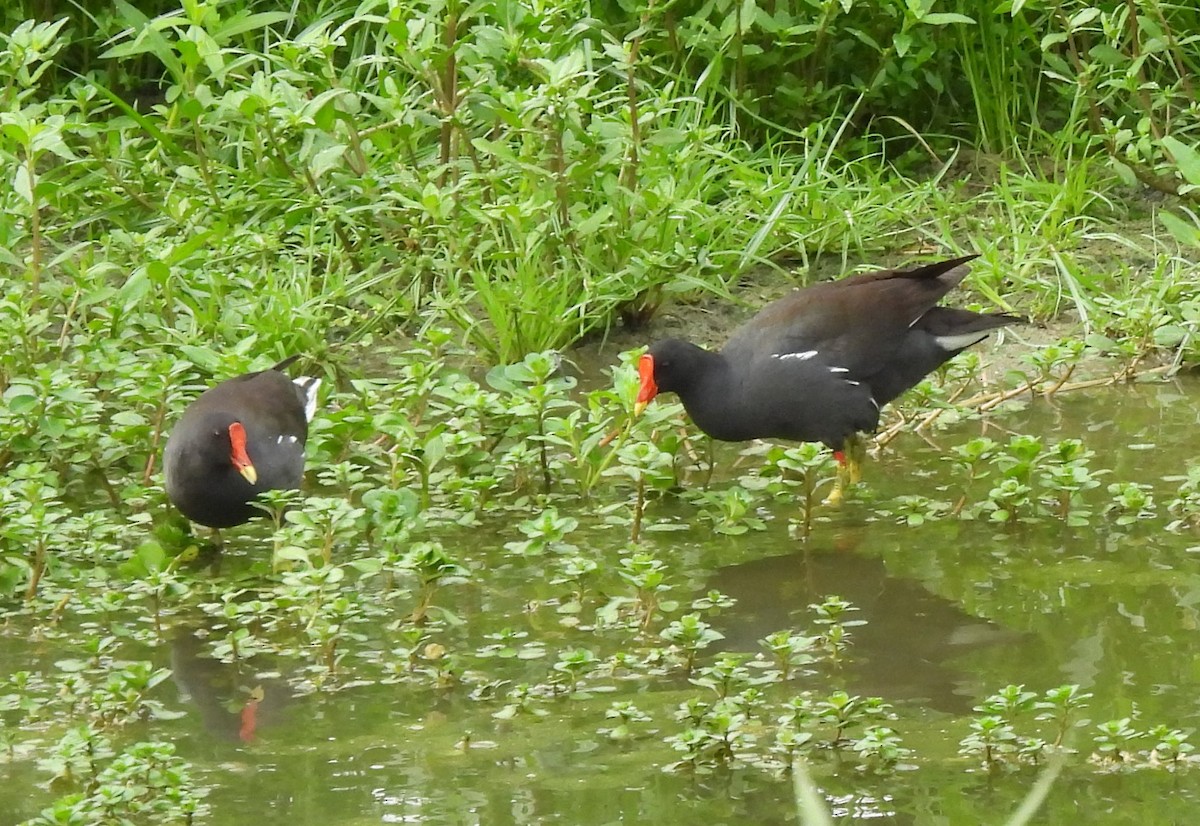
[{"x": 533, "y": 172}]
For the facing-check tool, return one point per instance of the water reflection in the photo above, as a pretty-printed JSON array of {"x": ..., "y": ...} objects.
[
  {"x": 905, "y": 652},
  {"x": 235, "y": 700}
]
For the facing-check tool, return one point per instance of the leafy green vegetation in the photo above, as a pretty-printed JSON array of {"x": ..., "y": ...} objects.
[
  {"x": 433, "y": 203},
  {"x": 531, "y": 174}
]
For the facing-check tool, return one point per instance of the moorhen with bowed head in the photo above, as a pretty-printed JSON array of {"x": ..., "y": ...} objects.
[
  {"x": 817, "y": 365},
  {"x": 239, "y": 438}
]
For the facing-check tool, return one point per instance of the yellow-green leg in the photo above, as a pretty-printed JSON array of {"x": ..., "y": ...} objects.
[
  {"x": 849, "y": 472},
  {"x": 856, "y": 453}
]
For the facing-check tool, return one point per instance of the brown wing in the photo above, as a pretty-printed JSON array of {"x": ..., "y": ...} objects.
[{"x": 855, "y": 323}]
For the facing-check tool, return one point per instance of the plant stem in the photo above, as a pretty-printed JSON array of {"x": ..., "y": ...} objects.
[
  {"x": 639, "y": 506},
  {"x": 39, "y": 568},
  {"x": 35, "y": 233},
  {"x": 449, "y": 90}
]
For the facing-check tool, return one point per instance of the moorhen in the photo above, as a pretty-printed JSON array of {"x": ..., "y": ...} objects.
[
  {"x": 239, "y": 438},
  {"x": 817, "y": 365}
]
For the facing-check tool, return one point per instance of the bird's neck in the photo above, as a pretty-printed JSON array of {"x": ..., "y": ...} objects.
[{"x": 711, "y": 398}]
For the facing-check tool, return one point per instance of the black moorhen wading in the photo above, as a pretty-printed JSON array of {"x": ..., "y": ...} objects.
[
  {"x": 817, "y": 365},
  {"x": 239, "y": 438}
]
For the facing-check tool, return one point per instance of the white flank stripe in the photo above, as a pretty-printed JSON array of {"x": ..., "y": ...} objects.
[
  {"x": 805, "y": 356},
  {"x": 961, "y": 340},
  {"x": 839, "y": 369}
]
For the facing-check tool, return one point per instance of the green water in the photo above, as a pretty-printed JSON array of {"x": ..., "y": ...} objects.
[{"x": 955, "y": 610}]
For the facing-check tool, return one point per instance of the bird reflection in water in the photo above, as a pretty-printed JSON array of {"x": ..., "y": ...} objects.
[
  {"x": 906, "y": 651},
  {"x": 235, "y": 701}
]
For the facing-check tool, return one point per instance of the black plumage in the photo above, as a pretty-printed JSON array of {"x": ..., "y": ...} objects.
[
  {"x": 237, "y": 439},
  {"x": 819, "y": 364}
]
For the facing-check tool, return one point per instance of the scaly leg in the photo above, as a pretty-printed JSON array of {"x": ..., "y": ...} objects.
[
  {"x": 849, "y": 471},
  {"x": 856, "y": 452},
  {"x": 838, "y": 493}
]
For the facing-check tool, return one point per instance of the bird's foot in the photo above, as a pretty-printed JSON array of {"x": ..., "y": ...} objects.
[{"x": 840, "y": 483}]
